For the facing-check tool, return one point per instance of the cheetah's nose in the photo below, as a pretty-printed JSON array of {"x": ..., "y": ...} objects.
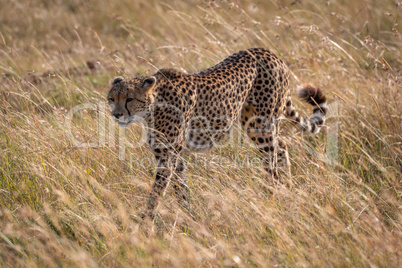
[{"x": 117, "y": 115}]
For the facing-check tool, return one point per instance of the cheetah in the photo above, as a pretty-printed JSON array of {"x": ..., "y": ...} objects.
[{"x": 197, "y": 111}]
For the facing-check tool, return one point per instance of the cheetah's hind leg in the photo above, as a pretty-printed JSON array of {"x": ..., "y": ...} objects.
[
  {"x": 262, "y": 131},
  {"x": 283, "y": 162}
]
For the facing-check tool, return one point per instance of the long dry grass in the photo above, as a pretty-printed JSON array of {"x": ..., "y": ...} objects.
[{"x": 68, "y": 205}]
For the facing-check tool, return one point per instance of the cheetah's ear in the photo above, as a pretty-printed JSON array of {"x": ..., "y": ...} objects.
[
  {"x": 149, "y": 84},
  {"x": 117, "y": 80}
]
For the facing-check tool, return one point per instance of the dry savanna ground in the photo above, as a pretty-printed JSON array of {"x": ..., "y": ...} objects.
[{"x": 71, "y": 191}]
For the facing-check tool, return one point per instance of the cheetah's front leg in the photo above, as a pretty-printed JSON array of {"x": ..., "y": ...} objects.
[
  {"x": 180, "y": 184},
  {"x": 163, "y": 174}
]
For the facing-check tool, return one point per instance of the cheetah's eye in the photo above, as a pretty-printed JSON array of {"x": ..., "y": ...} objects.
[
  {"x": 130, "y": 99},
  {"x": 111, "y": 99}
]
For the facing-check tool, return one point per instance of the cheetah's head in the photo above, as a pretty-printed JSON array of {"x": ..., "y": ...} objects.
[{"x": 130, "y": 99}]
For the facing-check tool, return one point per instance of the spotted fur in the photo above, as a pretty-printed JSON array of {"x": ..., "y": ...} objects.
[{"x": 198, "y": 110}]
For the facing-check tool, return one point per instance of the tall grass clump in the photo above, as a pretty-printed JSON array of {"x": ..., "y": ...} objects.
[{"x": 71, "y": 196}]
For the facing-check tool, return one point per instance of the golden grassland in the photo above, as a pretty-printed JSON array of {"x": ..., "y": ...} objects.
[{"x": 66, "y": 205}]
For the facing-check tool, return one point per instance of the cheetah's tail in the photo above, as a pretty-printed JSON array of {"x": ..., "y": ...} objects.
[{"x": 317, "y": 99}]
